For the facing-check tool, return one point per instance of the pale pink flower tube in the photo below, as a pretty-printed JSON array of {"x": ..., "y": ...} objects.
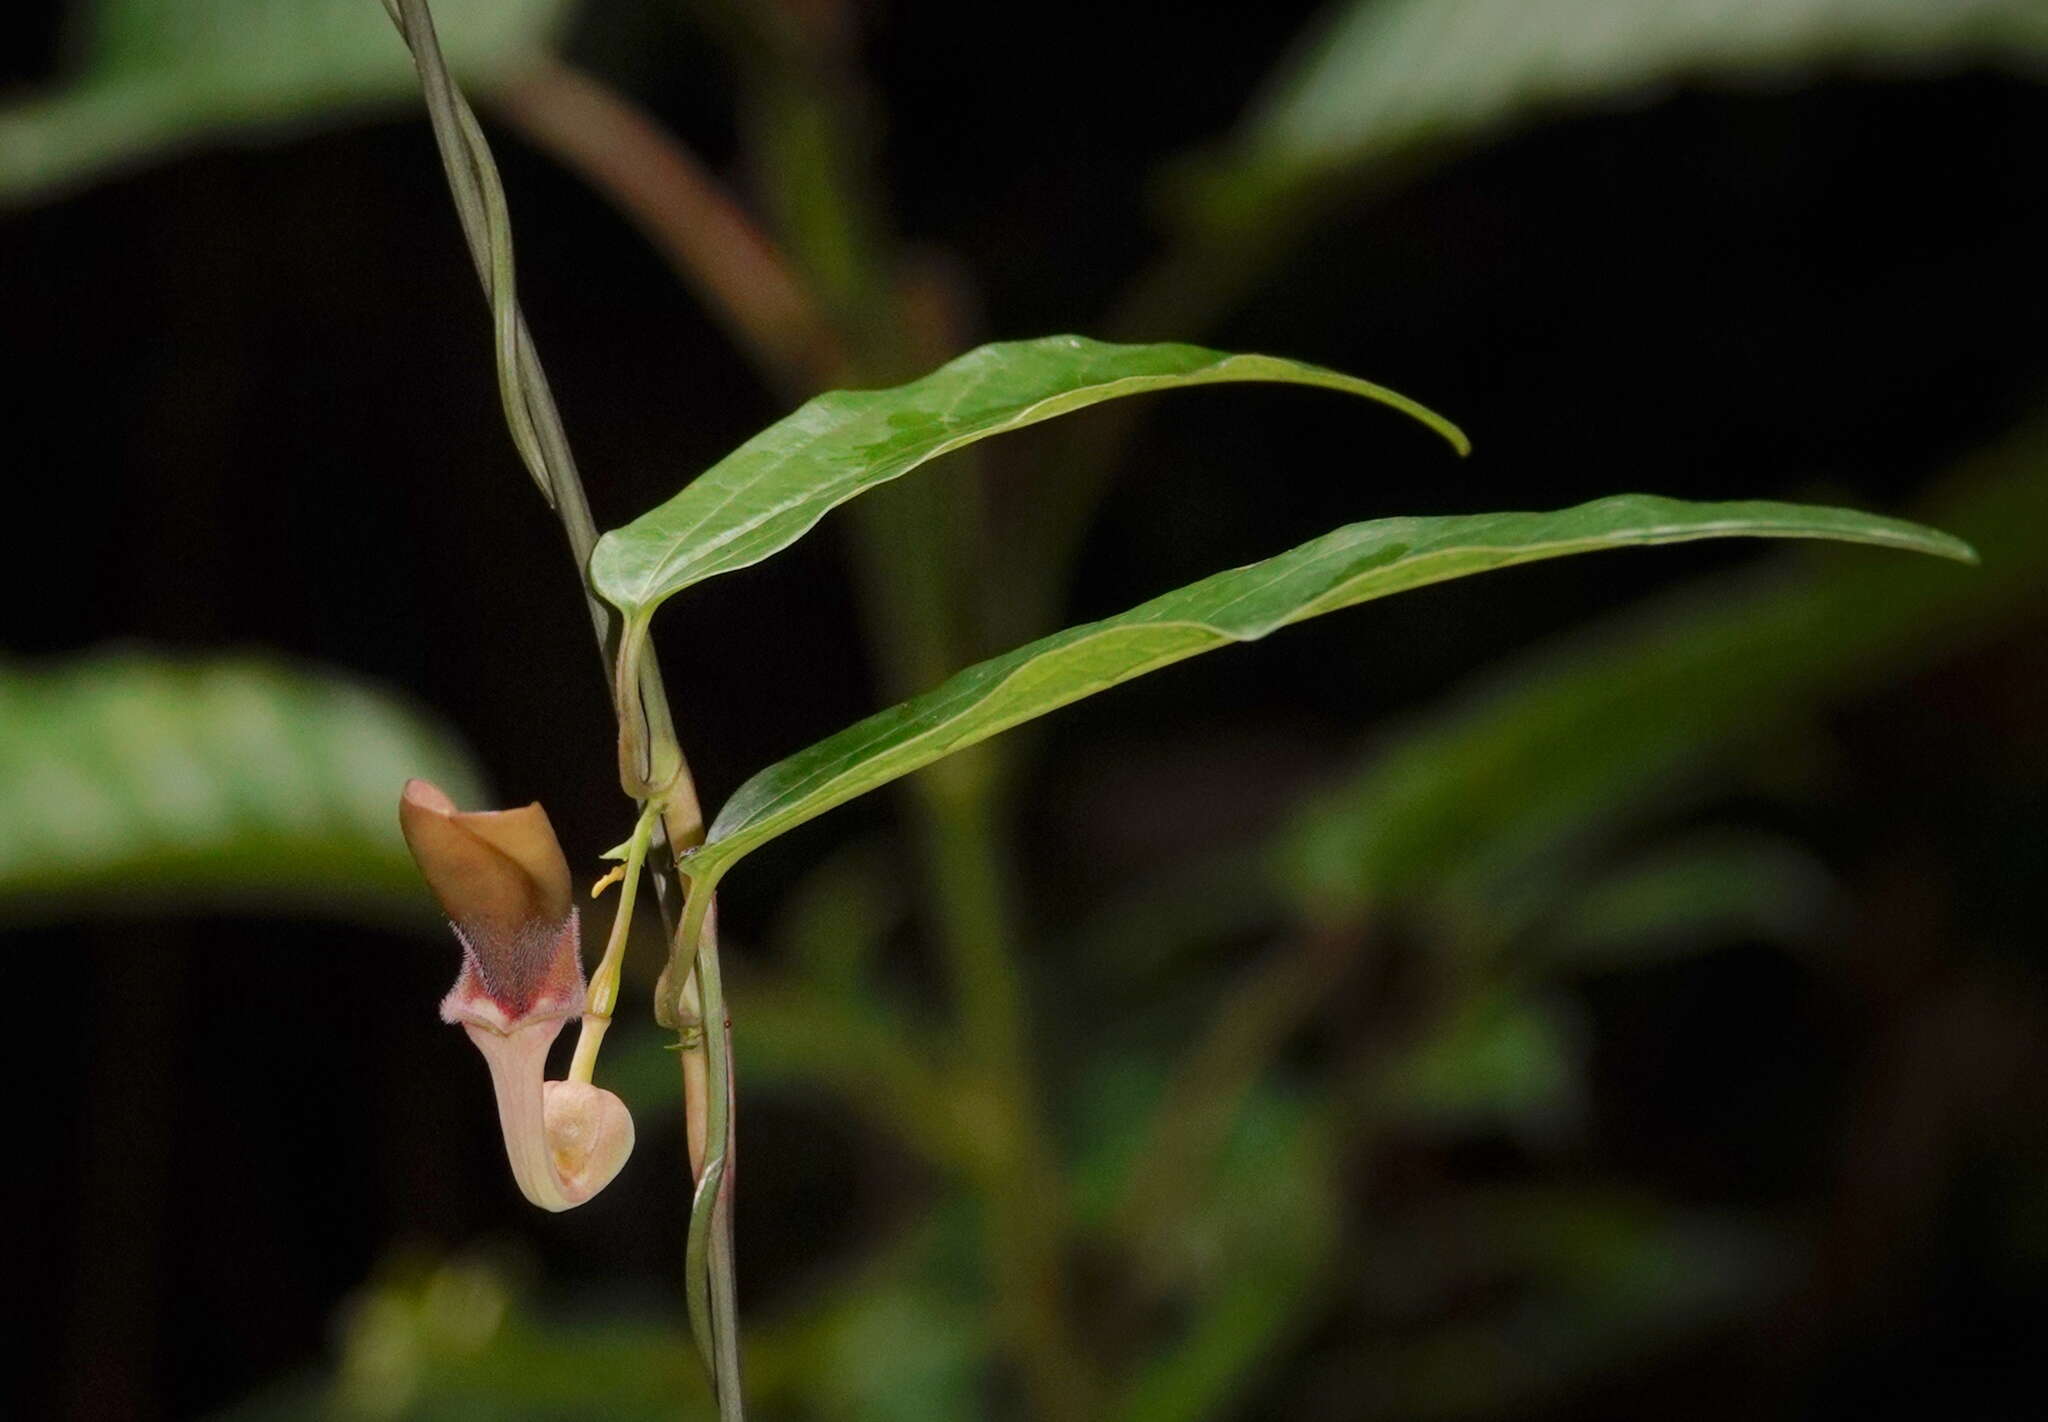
[{"x": 502, "y": 880}]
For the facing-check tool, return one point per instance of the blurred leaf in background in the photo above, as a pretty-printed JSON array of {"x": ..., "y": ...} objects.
[
  {"x": 1380, "y": 91},
  {"x": 157, "y": 76},
  {"x": 460, "y": 1338},
  {"x": 139, "y": 782},
  {"x": 1386, "y": 84}
]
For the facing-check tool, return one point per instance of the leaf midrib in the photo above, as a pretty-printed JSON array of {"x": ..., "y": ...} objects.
[{"x": 1412, "y": 563}]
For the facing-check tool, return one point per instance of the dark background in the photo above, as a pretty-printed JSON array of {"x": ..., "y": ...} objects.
[{"x": 250, "y": 405}]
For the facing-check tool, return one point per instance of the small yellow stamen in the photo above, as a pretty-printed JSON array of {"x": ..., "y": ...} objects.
[{"x": 604, "y": 982}]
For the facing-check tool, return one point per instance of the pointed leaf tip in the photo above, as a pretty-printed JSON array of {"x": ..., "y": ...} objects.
[
  {"x": 1345, "y": 567},
  {"x": 775, "y": 488}
]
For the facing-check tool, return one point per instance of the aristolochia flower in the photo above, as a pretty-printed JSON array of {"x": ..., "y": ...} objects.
[{"x": 502, "y": 880}]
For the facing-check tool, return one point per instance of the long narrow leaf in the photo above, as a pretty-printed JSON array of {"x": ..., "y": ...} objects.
[
  {"x": 773, "y": 489},
  {"x": 1486, "y": 810},
  {"x": 1351, "y": 565}
]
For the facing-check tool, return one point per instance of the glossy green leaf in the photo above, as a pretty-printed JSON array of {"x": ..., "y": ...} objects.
[
  {"x": 1351, "y": 565},
  {"x": 774, "y": 488},
  {"x": 1485, "y": 814},
  {"x": 160, "y": 75},
  {"x": 132, "y": 782},
  {"x": 1467, "y": 813},
  {"x": 1386, "y": 79}
]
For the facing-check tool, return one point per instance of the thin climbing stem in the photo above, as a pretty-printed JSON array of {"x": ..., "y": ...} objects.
[
  {"x": 708, "y": 1252},
  {"x": 645, "y": 719},
  {"x": 531, "y": 415}
]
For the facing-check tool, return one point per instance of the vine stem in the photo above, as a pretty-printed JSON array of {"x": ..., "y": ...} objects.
[
  {"x": 646, "y": 724},
  {"x": 708, "y": 1254}
]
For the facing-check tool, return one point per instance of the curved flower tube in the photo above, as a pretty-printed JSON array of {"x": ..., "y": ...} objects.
[{"x": 501, "y": 879}]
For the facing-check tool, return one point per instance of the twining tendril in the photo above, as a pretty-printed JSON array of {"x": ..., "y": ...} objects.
[
  {"x": 480, "y": 204},
  {"x": 651, "y": 763},
  {"x": 529, "y": 403}
]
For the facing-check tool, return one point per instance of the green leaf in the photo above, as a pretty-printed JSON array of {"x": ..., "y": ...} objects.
[
  {"x": 134, "y": 782},
  {"x": 774, "y": 488},
  {"x": 1470, "y": 809},
  {"x": 160, "y": 75},
  {"x": 1387, "y": 79},
  {"x": 1351, "y": 565}
]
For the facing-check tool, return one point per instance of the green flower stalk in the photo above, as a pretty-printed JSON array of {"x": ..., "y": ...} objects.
[{"x": 501, "y": 879}]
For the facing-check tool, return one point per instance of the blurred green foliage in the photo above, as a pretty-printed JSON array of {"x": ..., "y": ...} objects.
[
  {"x": 1384, "y": 82},
  {"x": 1474, "y": 816},
  {"x": 1523, "y": 831},
  {"x": 159, "y": 76},
  {"x": 136, "y": 782}
]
